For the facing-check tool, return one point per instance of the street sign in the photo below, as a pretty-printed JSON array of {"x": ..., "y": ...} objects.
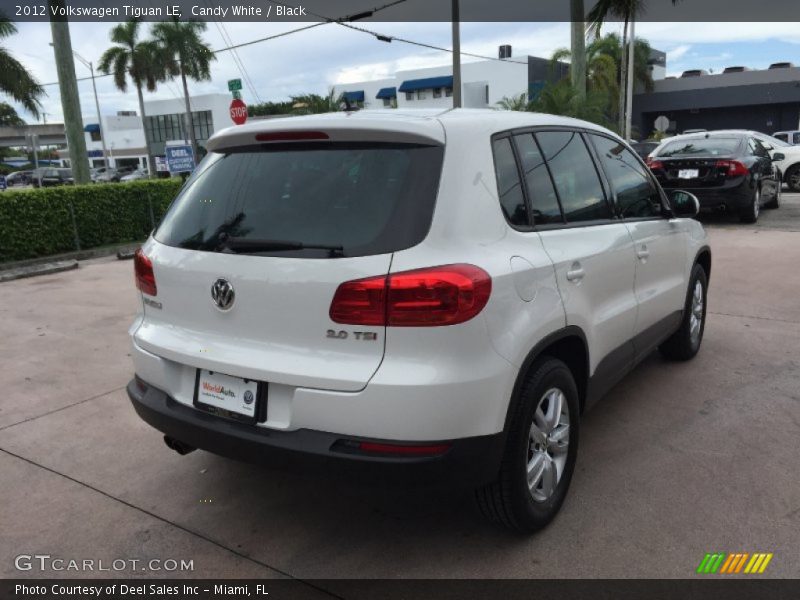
[
  {"x": 179, "y": 158},
  {"x": 234, "y": 85},
  {"x": 661, "y": 124},
  {"x": 237, "y": 95},
  {"x": 238, "y": 111},
  {"x": 161, "y": 164}
]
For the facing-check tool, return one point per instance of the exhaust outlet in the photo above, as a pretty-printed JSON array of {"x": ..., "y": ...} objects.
[{"x": 178, "y": 446}]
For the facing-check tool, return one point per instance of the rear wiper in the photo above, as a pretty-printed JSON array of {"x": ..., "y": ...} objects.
[{"x": 240, "y": 244}]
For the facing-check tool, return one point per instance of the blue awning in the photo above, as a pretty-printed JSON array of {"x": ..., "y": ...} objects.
[
  {"x": 357, "y": 96},
  {"x": 427, "y": 83},
  {"x": 92, "y": 128},
  {"x": 390, "y": 92}
]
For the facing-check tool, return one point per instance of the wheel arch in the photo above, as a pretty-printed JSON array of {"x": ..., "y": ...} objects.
[
  {"x": 703, "y": 258},
  {"x": 568, "y": 345}
]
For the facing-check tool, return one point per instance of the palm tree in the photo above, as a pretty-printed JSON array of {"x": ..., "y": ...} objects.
[
  {"x": 15, "y": 81},
  {"x": 185, "y": 54},
  {"x": 310, "y": 104},
  {"x": 577, "y": 69},
  {"x": 562, "y": 98},
  {"x": 604, "y": 65},
  {"x": 9, "y": 116},
  {"x": 627, "y": 10},
  {"x": 515, "y": 102},
  {"x": 134, "y": 58}
]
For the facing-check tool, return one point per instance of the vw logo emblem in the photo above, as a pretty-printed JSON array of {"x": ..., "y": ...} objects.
[
  {"x": 222, "y": 294},
  {"x": 248, "y": 397}
]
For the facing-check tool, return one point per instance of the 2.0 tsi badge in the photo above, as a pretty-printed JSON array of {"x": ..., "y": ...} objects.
[{"x": 222, "y": 294}]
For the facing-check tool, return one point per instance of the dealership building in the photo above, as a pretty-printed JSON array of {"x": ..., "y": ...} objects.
[
  {"x": 164, "y": 121},
  {"x": 765, "y": 100}
]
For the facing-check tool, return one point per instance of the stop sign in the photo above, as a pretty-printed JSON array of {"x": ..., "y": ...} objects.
[{"x": 238, "y": 111}]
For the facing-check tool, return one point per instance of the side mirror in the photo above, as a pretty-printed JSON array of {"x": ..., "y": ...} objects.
[
  {"x": 684, "y": 204},
  {"x": 778, "y": 156}
]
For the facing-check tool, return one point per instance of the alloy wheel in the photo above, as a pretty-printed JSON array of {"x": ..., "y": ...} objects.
[
  {"x": 696, "y": 316},
  {"x": 548, "y": 445}
]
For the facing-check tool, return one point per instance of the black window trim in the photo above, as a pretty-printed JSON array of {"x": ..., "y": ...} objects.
[
  {"x": 665, "y": 212},
  {"x": 496, "y": 138},
  {"x": 524, "y": 177}
]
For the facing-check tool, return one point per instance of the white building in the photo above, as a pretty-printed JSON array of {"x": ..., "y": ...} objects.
[
  {"x": 483, "y": 85},
  {"x": 164, "y": 120},
  {"x": 124, "y": 140}
]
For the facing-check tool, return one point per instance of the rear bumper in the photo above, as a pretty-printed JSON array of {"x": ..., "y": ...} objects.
[
  {"x": 468, "y": 461},
  {"x": 722, "y": 198}
]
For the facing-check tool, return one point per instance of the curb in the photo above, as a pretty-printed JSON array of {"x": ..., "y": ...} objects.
[{"x": 34, "y": 270}]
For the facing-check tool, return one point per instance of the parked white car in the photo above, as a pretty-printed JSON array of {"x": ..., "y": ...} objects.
[
  {"x": 135, "y": 176},
  {"x": 789, "y": 165},
  {"x": 432, "y": 294}
]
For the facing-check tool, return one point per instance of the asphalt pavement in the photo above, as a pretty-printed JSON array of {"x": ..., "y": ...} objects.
[{"x": 680, "y": 459}]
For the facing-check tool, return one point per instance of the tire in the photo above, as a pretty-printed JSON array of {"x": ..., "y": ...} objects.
[
  {"x": 792, "y": 178},
  {"x": 750, "y": 213},
  {"x": 685, "y": 343},
  {"x": 509, "y": 501},
  {"x": 776, "y": 200}
]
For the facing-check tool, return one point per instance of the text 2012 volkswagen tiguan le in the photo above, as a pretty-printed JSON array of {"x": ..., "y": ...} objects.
[{"x": 436, "y": 292}]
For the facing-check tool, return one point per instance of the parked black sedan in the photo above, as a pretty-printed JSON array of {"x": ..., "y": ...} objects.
[
  {"x": 727, "y": 171},
  {"x": 53, "y": 177}
]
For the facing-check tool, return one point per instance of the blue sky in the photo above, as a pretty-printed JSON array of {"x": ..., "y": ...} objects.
[{"x": 313, "y": 61}]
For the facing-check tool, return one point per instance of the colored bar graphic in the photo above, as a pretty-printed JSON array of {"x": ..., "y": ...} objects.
[{"x": 734, "y": 563}]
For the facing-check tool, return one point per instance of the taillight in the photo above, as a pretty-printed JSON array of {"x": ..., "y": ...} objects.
[
  {"x": 291, "y": 136},
  {"x": 653, "y": 163},
  {"x": 430, "y": 297},
  {"x": 735, "y": 168},
  {"x": 143, "y": 269}
]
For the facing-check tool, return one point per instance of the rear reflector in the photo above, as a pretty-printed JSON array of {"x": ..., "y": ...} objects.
[
  {"x": 734, "y": 167},
  {"x": 144, "y": 275},
  {"x": 430, "y": 297},
  {"x": 291, "y": 136},
  {"x": 398, "y": 450}
]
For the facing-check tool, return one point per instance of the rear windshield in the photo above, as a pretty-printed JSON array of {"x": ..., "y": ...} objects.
[
  {"x": 365, "y": 198},
  {"x": 701, "y": 147}
]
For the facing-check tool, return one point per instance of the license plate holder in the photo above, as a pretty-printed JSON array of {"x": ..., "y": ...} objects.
[
  {"x": 688, "y": 173},
  {"x": 230, "y": 397}
]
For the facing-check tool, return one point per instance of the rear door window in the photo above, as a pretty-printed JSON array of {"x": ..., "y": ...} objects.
[
  {"x": 541, "y": 193},
  {"x": 637, "y": 195},
  {"x": 509, "y": 186},
  {"x": 365, "y": 198},
  {"x": 574, "y": 175}
]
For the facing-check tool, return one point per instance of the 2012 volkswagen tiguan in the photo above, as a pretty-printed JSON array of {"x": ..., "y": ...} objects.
[{"x": 428, "y": 292}]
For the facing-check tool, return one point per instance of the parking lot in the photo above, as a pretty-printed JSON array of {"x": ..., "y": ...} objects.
[{"x": 678, "y": 460}]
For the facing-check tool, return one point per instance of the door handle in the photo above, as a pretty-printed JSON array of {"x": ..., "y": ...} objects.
[
  {"x": 643, "y": 253},
  {"x": 575, "y": 272}
]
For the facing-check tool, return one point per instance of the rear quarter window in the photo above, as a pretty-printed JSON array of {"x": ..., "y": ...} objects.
[{"x": 368, "y": 198}]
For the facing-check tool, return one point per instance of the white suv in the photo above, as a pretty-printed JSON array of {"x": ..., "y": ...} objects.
[{"x": 439, "y": 294}]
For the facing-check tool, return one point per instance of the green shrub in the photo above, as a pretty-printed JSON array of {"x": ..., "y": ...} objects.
[{"x": 39, "y": 222}]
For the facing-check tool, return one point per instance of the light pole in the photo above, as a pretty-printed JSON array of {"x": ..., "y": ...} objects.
[
  {"x": 456, "y": 56},
  {"x": 88, "y": 64}
]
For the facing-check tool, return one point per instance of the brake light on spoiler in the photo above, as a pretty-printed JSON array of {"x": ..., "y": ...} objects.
[
  {"x": 291, "y": 136},
  {"x": 430, "y": 297}
]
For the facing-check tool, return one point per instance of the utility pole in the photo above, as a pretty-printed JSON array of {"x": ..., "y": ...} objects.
[
  {"x": 456, "y": 56},
  {"x": 97, "y": 105},
  {"x": 70, "y": 101},
  {"x": 629, "y": 82}
]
